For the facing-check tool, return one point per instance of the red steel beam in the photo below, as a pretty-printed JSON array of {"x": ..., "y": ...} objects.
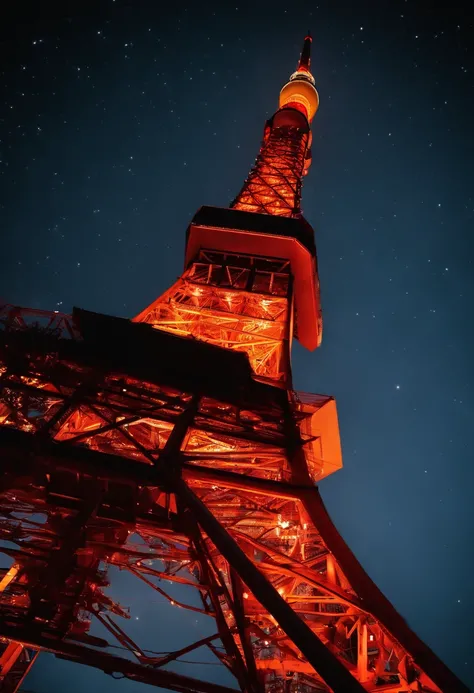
[
  {"x": 324, "y": 662},
  {"x": 239, "y": 669},
  {"x": 265, "y": 487},
  {"x": 244, "y": 632},
  {"x": 15, "y": 663},
  {"x": 102, "y": 465},
  {"x": 375, "y": 601},
  {"x": 111, "y": 664}
]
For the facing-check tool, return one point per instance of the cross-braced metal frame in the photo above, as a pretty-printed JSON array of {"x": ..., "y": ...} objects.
[
  {"x": 274, "y": 183},
  {"x": 238, "y": 302},
  {"x": 101, "y": 468}
]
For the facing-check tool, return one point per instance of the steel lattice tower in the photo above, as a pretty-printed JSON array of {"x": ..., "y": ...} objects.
[{"x": 173, "y": 447}]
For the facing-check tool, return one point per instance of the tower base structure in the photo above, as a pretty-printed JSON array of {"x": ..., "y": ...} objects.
[{"x": 126, "y": 446}]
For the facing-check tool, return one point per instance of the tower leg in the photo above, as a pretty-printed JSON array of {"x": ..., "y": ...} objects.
[{"x": 331, "y": 670}]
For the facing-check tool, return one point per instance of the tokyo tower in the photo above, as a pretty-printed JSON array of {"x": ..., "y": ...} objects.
[{"x": 173, "y": 447}]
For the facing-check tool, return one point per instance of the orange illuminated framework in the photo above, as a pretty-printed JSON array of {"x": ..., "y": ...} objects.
[{"x": 173, "y": 447}]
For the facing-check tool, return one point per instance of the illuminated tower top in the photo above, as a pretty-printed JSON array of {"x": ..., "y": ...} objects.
[
  {"x": 274, "y": 183},
  {"x": 300, "y": 92},
  {"x": 305, "y": 59}
]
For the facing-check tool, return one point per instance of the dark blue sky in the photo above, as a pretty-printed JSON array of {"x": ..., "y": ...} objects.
[{"x": 118, "y": 122}]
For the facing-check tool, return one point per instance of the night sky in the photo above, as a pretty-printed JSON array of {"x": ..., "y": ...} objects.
[{"x": 118, "y": 122}]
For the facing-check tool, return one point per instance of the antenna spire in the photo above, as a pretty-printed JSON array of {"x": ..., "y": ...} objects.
[{"x": 304, "y": 64}]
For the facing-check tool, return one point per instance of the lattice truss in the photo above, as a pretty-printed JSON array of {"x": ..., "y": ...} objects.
[
  {"x": 236, "y": 302},
  {"x": 274, "y": 183},
  {"x": 102, "y": 471}
]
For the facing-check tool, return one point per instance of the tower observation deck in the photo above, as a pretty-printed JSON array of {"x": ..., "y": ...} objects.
[{"x": 173, "y": 446}]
